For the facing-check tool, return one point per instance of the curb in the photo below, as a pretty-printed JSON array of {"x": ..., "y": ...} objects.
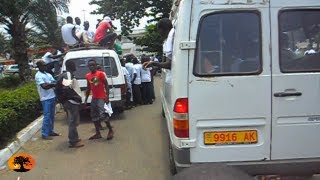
[{"x": 22, "y": 137}]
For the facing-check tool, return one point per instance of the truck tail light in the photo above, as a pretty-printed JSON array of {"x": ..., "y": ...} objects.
[
  {"x": 123, "y": 88},
  {"x": 181, "y": 118}
]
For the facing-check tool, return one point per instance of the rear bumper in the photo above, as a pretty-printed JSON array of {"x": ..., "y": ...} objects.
[
  {"x": 118, "y": 103},
  {"x": 283, "y": 167}
]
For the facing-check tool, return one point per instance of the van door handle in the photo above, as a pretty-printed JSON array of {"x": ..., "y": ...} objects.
[{"x": 286, "y": 94}]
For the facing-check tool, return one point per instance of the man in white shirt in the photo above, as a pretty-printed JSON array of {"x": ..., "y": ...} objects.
[
  {"x": 51, "y": 59},
  {"x": 69, "y": 33},
  {"x": 88, "y": 34},
  {"x": 45, "y": 84},
  {"x": 78, "y": 24},
  {"x": 146, "y": 84},
  {"x": 136, "y": 82},
  {"x": 166, "y": 31}
]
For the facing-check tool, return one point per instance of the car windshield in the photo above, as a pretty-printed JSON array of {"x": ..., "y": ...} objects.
[{"x": 107, "y": 64}]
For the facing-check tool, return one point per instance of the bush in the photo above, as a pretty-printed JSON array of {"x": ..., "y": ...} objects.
[
  {"x": 10, "y": 82},
  {"x": 8, "y": 125},
  {"x": 24, "y": 101}
]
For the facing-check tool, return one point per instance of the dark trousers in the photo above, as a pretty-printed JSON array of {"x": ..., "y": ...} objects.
[
  {"x": 136, "y": 89},
  {"x": 153, "y": 95},
  {"x": 107, "y": 40},
  {"x": 73, "y": 119},
  {"x": 146, "y": 92}
]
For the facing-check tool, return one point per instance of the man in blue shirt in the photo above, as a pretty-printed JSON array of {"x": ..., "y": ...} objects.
[{"x": 45, "y": 85}]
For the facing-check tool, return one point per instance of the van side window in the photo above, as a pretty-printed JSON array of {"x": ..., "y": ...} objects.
[
  {"x": 229, "y": 43},
  {"x": 299, "y": 39},
  {"x": 109, "y": 64}
]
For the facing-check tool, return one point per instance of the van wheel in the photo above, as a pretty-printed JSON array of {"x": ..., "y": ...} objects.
[
  {"x": 162, "y": 113},
  {"x": 172, "y": 165}
]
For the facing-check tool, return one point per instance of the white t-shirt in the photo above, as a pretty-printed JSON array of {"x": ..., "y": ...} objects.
[
  {"x": 129, "y": 67},
  {"x": 66, "y": 31},
  {"x": 155, "y": 59},
  {"x": 168, "y": 44},
  {"x": 146, "y": 75},
  {"x": 137, "y": 70},
  {"x": 42, "y": 78},
  {"x": 90, "y": 34},
  {"x": 126, "y": 73},
  {"x": 46, "y": 58}
]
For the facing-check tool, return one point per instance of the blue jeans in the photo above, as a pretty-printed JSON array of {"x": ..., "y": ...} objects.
[{"x": 49, "y": 108}]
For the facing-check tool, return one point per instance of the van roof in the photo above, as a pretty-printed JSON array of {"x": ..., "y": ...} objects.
[{"x": 89, "y": 52}]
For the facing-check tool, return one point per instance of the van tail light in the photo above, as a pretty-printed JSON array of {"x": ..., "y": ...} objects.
[
  {"x": 181, "y": 118},
  {"x": 123, "y": 88}
]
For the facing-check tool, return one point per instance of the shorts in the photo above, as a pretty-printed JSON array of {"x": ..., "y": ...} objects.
[{"x": 97, "y": 110}]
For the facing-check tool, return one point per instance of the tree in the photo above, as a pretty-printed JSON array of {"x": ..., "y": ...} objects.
[
  {"x": 22, "y": 161},
  {"x": 15, "y": 15},
  {"x": 48, "y": 27},
  {"x": 130, "y": 12},
  {"x": 151, "y": 41}
]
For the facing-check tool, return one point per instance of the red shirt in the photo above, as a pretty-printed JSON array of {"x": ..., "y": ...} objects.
[
  {"x": 101, "y": 31},
  {"x": 96, "y": 81}
]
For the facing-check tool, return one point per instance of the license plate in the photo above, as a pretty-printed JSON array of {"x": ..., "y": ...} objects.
[{"x": 230, "y": 137}]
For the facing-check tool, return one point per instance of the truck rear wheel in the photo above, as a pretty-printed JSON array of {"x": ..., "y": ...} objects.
[{"x": 172, "y": 165}]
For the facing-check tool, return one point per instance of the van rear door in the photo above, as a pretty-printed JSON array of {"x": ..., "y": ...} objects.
[
  {"x": 230, "y": 83},
  {"x": 295, "y": 79}
]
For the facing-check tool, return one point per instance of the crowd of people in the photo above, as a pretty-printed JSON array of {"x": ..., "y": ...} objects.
[
  {"x": 65, "y": 88},
  {"x": 74, "y": 35},
  {"x": 139, "y": 80}
]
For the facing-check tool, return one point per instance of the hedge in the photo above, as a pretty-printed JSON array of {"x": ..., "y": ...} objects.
[
  {"x": 10, "y": 82},
  {"x": 24, "y": 101},
  {"x": 8, "y": 125}
]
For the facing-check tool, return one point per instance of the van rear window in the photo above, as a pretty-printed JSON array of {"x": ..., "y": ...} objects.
[
  {"x": 228, "y": 43},
  {"x": 299, "y": 40},
  {"x": 108, "y": 64}
]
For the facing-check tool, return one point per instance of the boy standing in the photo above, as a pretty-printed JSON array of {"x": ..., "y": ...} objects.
[{"x": 98, "y": 84}]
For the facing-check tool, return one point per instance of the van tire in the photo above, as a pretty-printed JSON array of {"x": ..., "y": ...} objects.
[
  {"x": 172, "y": 165},
  {"x": 162, "y": 113}
]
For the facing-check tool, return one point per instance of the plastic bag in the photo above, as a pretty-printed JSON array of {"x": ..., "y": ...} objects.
[{"x": 108, "y": 109}]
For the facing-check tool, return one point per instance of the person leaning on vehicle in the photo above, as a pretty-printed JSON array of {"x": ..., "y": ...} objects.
[{"x": 166, "y": 31}]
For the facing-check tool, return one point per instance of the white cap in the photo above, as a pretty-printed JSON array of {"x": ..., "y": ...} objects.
[{"x": 107, "y": 18}]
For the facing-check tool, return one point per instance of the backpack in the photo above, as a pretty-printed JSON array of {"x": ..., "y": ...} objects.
[{"x": 65, "y": 93}]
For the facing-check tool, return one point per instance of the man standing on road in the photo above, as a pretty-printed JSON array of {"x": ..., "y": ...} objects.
[
  {"x": 68, "y": 90},
  {"x": 97, "y": 84},
  {"x": 45, "y": 84}
]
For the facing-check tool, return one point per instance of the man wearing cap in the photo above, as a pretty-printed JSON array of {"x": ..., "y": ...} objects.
[{"x": 102, "y": 37}]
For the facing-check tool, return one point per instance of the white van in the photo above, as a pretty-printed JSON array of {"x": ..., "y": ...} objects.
[
  {"x": 245, "y": 86},
  {"x": 110, "y": 63}
]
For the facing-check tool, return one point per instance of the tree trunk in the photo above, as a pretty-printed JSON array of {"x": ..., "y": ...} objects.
[
  {"x": 22, "y": 169},
  {"x": 20, "y": 46}
]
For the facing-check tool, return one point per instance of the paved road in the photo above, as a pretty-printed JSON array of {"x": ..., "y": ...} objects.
[{"x": 138, "y": 151}]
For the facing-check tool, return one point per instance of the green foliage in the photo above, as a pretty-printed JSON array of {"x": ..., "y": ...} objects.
[
  {"x": 130, "y": 12},
  {"x": 15, "y": 15},
  {"x": 24, "y": 101},
  {"x": 10, "y": 82},
  {"x": 8, "y": 125},
  {"x": 151, "y": 41}
]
